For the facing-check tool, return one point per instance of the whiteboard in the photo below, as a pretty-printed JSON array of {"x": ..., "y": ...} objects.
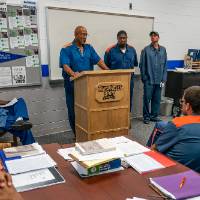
[{"x": 102, "y": 29}]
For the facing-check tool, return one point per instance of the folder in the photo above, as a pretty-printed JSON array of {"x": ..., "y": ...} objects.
[{"x": 170, "y": 185}]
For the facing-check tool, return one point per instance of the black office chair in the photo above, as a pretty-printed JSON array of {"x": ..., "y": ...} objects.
[{"x": 6, "y": 144}]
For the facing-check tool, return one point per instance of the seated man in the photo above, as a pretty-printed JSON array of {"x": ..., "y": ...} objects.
[
  {"x": 180, "y": 138},
  {"x": 14, "y": 119},
  {"x": 7, "y": 191}
]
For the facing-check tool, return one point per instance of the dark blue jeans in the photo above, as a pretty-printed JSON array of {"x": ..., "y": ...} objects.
[
  {"x": 19, "y": 109},
  {"x": 152, "y": 95},
  {"x": 69, "y": 92}
]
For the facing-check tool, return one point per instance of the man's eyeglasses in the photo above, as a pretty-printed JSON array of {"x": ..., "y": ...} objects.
[{"x": 181, "y": 101}]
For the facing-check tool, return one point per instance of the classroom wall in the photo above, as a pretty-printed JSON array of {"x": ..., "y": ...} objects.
[{"x": 176, "y": 21}]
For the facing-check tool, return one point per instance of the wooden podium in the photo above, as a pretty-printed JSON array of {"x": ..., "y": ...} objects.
[{"x": 102, "y": 104}]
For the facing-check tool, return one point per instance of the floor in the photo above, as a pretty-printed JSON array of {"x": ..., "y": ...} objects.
[{"x": 139, "y": 131}]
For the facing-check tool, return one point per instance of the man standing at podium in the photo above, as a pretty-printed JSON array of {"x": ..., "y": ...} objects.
[
  {"x": 122, "y": 56},
  {"x": 76, "y": 57}
]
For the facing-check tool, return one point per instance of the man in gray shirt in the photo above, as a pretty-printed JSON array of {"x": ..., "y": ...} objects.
[{"x": 153, "y": 68}]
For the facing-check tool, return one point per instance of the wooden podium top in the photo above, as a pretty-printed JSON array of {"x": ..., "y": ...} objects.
[{"x": 100, "y": 72}]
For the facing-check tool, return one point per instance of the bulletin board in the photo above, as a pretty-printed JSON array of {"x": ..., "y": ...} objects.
[{"x": 19, "y": 46}]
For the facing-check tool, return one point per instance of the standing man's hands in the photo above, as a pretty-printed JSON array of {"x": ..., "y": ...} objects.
[
  {"x": 162, "y": 84},
  {"x": 102, "y": 65}
]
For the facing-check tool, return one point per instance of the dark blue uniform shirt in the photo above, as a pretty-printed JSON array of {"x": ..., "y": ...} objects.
[
  {"x": 153, "y": 64},
  {"x": 180, "y": 140},
  {"x": 77, "y": 61},
  {"x": 114, "y": 58}
]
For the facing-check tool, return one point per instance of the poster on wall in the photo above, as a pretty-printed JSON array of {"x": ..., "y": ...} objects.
[
  {"x": 20, "y": 19},
  {"x": 20, "y": 39},
  {"x": 19, "y": 75},
  {"x": 27, "y": 19},
  {"x": 5, "y": 76},
  {"x": 32, "y": 59},
  {"x": 13, "y": 39},
  {"x": 4, "y": 43},
  {"x": 12, "y": 20},
  {"x": 3, "y": 22}
]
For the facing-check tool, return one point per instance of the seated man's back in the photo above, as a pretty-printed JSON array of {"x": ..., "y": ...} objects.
[
  {"x": 180, "y": 138},
  {"x": 181, "y": 141}
]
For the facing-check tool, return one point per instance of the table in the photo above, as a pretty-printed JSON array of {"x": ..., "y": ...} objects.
[{"x": 115, "y": 186}]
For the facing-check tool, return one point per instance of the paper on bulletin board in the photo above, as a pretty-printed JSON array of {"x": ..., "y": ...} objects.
[
  {"x": 34, "y": 37},
  {"x": 4, "y": 43},
  {"x": 5, "y": 76},
  {"x": 27, "y": 36},
  {"x": 27, "y": 19},
  {"x": 3, "y": 5},
  {"x": 19, "y": 75},
  {"x": 20, "y": 19},
  {"x": 20, "y": 39},
  {"x": 12, "y": 21},
  {"x": 32, "y": 61},
  {"x": 3, "y": 22}
]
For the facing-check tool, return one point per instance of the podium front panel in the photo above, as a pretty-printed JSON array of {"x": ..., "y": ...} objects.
[{"x": 102, "y": 105}]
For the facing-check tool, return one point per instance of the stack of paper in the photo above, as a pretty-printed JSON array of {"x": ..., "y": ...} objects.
[
  {"x": 31, "y": 167},
  {"x": 131, "y": 148},
  {"x": 95, "y": 146},
  {"x": 149, "y": 161},
  {"x": 174, "y": 187},
  {"x": 65, "y": 152},
  {"x": 24, "y": 151},
  {"x": 90, "y": 163},
  {"x": 96, "y": 164},
  {"x": 37, "y": 179},
  {"x": 26, "y": 164}
]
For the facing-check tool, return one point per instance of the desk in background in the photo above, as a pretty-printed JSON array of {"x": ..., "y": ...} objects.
[
  {"x": 176, "y": 83},
  {"x": 115, "y": 186}
]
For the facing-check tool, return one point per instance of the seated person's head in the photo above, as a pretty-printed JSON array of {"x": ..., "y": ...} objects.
[{"x": 190, "y": 102}]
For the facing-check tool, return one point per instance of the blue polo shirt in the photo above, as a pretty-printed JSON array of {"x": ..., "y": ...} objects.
[
  {"x": 180, "y": 141},
  {"x": 114, "y": 58},
  {"x": 77, "y": 61}
]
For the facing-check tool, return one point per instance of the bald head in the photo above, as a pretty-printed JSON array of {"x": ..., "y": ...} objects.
[
  {"x": 80, "y": 34},
  {"x": 79, "y": 29}
]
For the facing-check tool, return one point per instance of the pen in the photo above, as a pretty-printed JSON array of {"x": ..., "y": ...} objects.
[{"x": 182, "y": 182}]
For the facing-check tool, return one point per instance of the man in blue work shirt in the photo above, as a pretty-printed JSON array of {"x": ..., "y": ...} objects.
[
  {"x": 14, "y": 119},
  {"x": 180, "y": 138},
  {"x": 153, "y": 68},
  {"x": 76, "y": 57},
  {"x": 122, "y": 56}
]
